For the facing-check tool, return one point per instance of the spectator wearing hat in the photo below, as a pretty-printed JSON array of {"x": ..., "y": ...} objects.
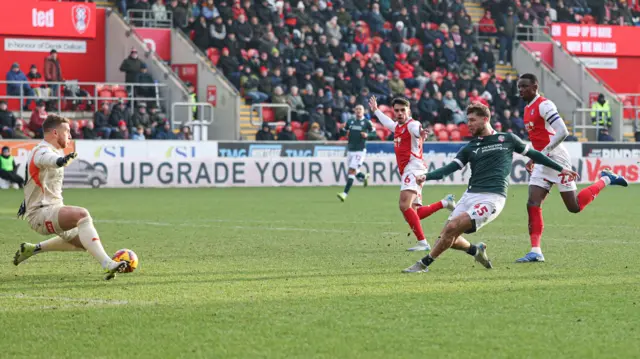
[
  {"x": 318, "y": 117},
  {"x": 140, "y": 117},
  {"x": 265, "y": 133},
  {"x": 7, "y": 121},
  {"x": 16, "y": 89},
  {"x": 38, "y": 116},
  {"x": 53, "y": 71},
  {"x": 249, "y": 82},
  {"x": 131, "y": 67},
  {"x": 122, "y": 132},
  {"x": 101, "y": 121},
  {"x": 119, "y": 112},
  {"x": 287, "y": 134},
  {"x": 315, "y": 133}
]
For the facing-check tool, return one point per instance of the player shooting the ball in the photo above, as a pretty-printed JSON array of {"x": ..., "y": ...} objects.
[
  {"x": 43, "y": 207},
  {"x": 490, "y": 155}
]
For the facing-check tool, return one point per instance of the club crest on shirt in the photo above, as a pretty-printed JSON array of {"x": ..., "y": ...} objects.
[
  {"x": 532, "y": 112},
  {"x": 501, "y": 138}
]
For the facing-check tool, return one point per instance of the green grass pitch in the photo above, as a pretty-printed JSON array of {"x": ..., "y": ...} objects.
[{"x": 294, "y": 273}]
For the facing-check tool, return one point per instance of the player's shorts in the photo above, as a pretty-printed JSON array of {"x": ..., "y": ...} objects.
[
  {"x": 355, "y": 159},
  {"x": 409, "y": 184},
  {"x": 546, "y": 177},
  {"x": 45, "y": 222},
  {"x": 481, "y": 207}
]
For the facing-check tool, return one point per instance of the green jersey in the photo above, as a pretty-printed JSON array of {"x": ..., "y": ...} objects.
[
  {"x": 356, "y": 128},
  {"x": 491, "y": 160}
]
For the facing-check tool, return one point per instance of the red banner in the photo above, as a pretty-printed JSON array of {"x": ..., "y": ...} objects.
[
  {"x": 598, "y": 39},
  {"x": 542, "y": 50},
  {"x": 187, "y": 73},
  {"x": 48, "y": 19},
  {"x": 157, "y": 40}
]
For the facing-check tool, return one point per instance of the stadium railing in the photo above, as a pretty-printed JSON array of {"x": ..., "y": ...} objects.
[
  {"x": 97, "y": 92},
  {"x": 148, "y": 18},
  {"x": 576, "y": 75},
  {"x": 200, "y": 119},
  {"x": 268, "y": 118}
]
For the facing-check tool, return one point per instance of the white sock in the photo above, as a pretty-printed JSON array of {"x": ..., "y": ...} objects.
[
  {"x": 606, "y": 180},
  {"x": 536, "y": 250},
  {"x": 55, "y": 244},
  {"x": 423, "y": 242},
  {"x": 91, "y": 241},
  {"x": 444, "y": 202}
]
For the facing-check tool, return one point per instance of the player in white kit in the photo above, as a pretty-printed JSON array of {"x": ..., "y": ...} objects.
[{"x": 43, "y": 206}]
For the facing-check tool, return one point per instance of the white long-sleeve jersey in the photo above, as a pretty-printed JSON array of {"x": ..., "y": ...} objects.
[{"x": 44, "y": 177}]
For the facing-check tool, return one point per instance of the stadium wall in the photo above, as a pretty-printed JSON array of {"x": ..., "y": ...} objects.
[{"x": 136, "y": 164}]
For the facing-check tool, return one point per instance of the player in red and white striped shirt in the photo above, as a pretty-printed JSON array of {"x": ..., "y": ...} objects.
[{"x": 408, "y": 138}]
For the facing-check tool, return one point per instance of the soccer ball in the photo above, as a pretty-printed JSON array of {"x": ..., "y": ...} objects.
[{"x": 127, "y": 255}]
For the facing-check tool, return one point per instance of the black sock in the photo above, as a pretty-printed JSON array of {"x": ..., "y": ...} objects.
[
  {"x": 472, "y": 250},
  {"x": 427, "y": 260},
  {"x": 349, "y": 184},
  {"x": 360, "y": 176}
]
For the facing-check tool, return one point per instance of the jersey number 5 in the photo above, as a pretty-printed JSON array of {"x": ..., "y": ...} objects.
[{"x": 481, "y": 210}]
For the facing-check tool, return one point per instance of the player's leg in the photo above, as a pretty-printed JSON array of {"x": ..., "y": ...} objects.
[
  {"x": 539, "y": 187},
  {"x": 55, "y": 244},
  {"x": 70, "y": 217},
  {"x": 407, "y": 199},
  {"x": 353, "y": 163},
  {"x": 447, "y": 202},
  {"x": 577, "y": 203},
  {"x": 361, "y": 176}
]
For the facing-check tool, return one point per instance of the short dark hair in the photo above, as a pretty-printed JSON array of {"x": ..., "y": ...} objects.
[
  {"x": 53, "y": 121},
  {"x": 400, "y": 101},
  {"x": 530, "y": 77},
  {"x": 477, "y": 108}
]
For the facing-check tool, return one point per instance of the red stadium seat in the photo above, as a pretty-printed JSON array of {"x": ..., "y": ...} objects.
[
  {"x": 300, "y": 134},
  {"x": 268, "y": 114},
  {"x": 384, "y": 108},
  {"x": 305, "y": 127},
  {"x": 464, "y": 130},
  {"x": 451, "y": 127},
  {"x": 438, "y": 127},
  {"x": 295, "y": 125},
  {"x": 455, "y": 136},
  {"x": 443, "y": 136},
  {"x": 380, "y": 134}
]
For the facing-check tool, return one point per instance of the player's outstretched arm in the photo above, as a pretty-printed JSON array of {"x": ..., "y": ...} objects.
[
  {"x": 541, "y": 158},
  {"x": 50, "y": 159},
  {"x": 384, "y": 119},
  {"x": 442, "y": 172}
]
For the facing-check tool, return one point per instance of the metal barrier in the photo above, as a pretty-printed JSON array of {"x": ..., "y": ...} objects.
[
  {"x": 584, "y": 115},
  {"x": 260, "y": 106},
  {"x": 200, "y": 125},
  {"x": 150, "y": 18},
  {"x": 130, "y": 90}
]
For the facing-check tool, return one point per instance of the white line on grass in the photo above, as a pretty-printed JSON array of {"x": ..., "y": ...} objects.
[{"x": 67, "y": 299}]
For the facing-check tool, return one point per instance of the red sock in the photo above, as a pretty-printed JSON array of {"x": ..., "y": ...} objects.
[
  {"x": 536, "y": 225},
  {"x": 587, "y": 195},
  {"x": 426, "y": 211},
  {"x": 412, "y": 218}
]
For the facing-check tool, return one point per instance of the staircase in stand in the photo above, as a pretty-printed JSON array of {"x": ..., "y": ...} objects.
[{"x": 247, "y": 131}]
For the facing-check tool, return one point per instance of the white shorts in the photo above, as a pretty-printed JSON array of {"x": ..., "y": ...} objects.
[
  {"x": 355, "y": 159},
  {"x": 545, "y": 177},
  {"x": 481, "y": 207},
  {"x": 409, "y": 184},
  {"x": 45, "y": 222}
]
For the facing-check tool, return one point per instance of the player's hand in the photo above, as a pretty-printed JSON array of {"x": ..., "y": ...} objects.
[
  {"x": 424, "y": 133},
  {"x": 570, "y": 175},
  {"x": 364, "y": 134},
  {"x": 373, "y": 104},
  {"x": 66, "y": 160},
  {"x": 529, "y": 166},
  {"x": 421, "y": 179}
]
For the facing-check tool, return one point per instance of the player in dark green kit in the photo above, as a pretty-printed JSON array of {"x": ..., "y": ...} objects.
[
  {"x": 357, "y": 131},
  {"x": 490, "y": 156}
]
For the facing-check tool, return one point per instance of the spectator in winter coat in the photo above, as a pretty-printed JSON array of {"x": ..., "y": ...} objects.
[
  {"x": 15, "y": 74},
  {"x": 7, "y": 121},
  {"x": 131, "y": 67},
  {"x": 53, "y": 71},
  {"x": 38, "y": 116},
  {"x": 140, "y": 117},
  {"x": 165, "y": 132},
  {"x": 396, "y": 85},
  {"x": 122, "y": 132},
  {"x": 315, "y": 133},
  {"x": 119, "y": 113},
  {"x": 101, "y": 121},
  {"x": 265, "y": 133},
  {"x": 138, "y": 134},
  {"x": 287, "y": 134},
  {"x": 89, "y": 132}
]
